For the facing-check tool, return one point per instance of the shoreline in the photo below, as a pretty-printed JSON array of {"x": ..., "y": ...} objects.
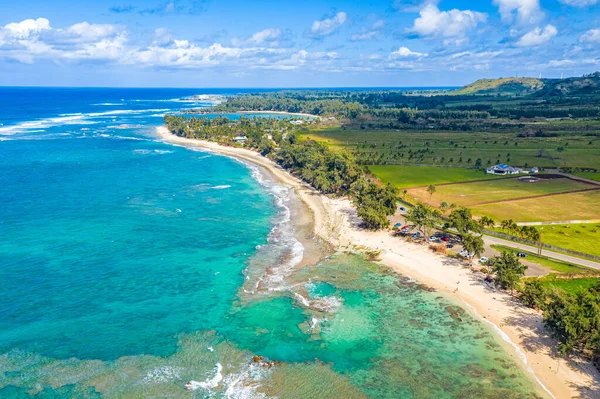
[{"x": 521, "y": 329}]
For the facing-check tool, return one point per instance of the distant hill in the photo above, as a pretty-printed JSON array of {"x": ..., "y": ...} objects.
[
  {"x": 508, "y": 86},
  {"x": 577, "y": 86}
]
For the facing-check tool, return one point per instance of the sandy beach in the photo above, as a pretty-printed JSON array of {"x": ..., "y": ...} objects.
[{"x": 521, "y": 328}]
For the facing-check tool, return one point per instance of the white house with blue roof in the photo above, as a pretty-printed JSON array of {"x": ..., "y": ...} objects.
[{"x": 503, "y": 169}]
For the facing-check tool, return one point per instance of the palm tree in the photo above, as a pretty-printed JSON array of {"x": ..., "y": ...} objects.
[
  {"x": 486, "y": 222},
  {"x": 534, "y": 235},
  {"x": 444, "y": 206},
  {"x": 431, "y": 190}
]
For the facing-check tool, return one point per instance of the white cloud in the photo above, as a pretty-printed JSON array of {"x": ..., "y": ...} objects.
[
  {"x": 579, "y": 3},
  {"x": 328, "y": 25},
  {"x": 527, "y": 11},
  {"x": 537, "y": 36},
  {"x": 88, "y": 31},
  {"x": 369, "y": 33},
  {"x": 449, "y": 24},
  {"x": 591, "y": 36},
  {"x": 264, "y": 36},
  {"x": 30, "y": 41},
  {"x": 404, "y": 52},
  {"x": 26, "y": 28},
  {"x": 412, "y": 5}
]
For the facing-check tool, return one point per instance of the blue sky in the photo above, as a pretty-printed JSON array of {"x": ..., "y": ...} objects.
[{"x": 301, "y": 43}]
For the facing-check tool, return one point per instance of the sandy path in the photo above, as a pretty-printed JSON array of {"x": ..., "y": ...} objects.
[{"x": 520, "y": 327}]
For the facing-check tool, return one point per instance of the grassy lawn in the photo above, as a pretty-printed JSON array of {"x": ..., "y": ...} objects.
[
  {"x": 554, "y": 265},
  {"x": 589, "y": 175},
  {"x": 412, "y": 176},
  {"x": 571, "y": 285},
  {"x": 578, "y": 206},
  {"x": 470, "y": 194},
  {"x": 577, "y": 237}
]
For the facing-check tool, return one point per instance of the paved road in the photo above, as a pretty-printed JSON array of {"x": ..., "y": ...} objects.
[{"x": 489, "y": 240}]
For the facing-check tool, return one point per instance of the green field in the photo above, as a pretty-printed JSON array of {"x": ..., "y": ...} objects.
[
  {"x": 571, "y": 285},
  {"x": 578, "y": 206},
  {"x": 413, "y": 176},
  {"x": 471, "y": 194},
  {"x": 551, "y": 264},
  {"x": 456, "y": 148},
  {"x": 589, "y": 175},
  {"x": 577, "y": 237}
]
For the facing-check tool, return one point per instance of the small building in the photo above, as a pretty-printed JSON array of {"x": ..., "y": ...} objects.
[
  {"x": 534, "y": 170},
  {"x": 297, "y": 122},
  {"x": 503, "y": 169},
  {"x": 240, "y": 139}
]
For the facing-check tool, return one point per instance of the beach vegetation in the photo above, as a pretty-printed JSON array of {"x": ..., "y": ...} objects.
[{"x": 508, "y": 271}]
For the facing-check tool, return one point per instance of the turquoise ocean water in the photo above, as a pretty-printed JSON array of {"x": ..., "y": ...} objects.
[{"x": 129, "y": 268}]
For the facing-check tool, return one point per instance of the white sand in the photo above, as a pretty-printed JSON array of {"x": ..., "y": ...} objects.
[{"x": 522, "y": 328}]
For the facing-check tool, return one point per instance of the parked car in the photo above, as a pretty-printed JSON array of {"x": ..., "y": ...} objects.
[
  {"x": 445, "y": 239},
  {"x": 416, "y": 235},
  {"x": 449, "y": 246},
  {"x": 398, "y": 225},
  {"x": 483, "y": 259},
  {"x": 434, "y": 239},
  {"x": 465, "y": 254},
  {"x": 522, "y": 255},
  {"x": 402, "y": 209}
]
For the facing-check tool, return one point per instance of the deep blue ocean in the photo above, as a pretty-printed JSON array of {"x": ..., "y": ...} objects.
[{"x": 127, "y": 267}]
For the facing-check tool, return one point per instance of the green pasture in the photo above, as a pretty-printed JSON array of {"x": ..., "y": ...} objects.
[
  {"x": 570, "y": 285},
  {"x": 584, "y": 237},
  {"x": 577, "y": 206},
  {"x": 470, "y": 194},
  {"x": 405, "y": 176}
]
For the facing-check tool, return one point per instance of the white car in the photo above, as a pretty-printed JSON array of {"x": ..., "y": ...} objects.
[
  {"x": 483, "y": 259},
  {"x": 463, "y": 252}
]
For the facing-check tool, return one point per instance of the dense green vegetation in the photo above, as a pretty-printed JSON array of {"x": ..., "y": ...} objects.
[{"x": 571, "y": 312}]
